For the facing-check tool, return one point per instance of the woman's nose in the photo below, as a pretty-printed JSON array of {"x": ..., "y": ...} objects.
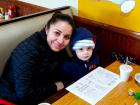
[{"x": 61, "y": 39}]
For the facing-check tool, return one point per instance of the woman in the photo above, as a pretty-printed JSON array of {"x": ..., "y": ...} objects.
[{"x": 32, "y": 71}]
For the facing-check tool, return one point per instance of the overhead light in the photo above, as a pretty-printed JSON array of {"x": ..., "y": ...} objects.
[{"x": 126, "y": 5}]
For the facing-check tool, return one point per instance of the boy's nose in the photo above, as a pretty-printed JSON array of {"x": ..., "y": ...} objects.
[{"x": 85, "y": 51}]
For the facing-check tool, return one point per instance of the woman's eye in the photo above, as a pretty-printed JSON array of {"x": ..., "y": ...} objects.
[
  {"x": 57, "y": 33},
  {"x": 67, "y": 37}
]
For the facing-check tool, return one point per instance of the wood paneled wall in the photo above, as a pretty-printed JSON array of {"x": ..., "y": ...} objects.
[
  {"x": 112, "y": 39},
  {"x": 22, "y": 7}
]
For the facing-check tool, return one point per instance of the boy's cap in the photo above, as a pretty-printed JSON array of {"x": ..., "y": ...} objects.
[
  {"x": 82, "y": 38},
  {"x": 83, "y": 43}
]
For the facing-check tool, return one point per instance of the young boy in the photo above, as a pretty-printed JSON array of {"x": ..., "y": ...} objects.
[{"x": 84, "y": 57}]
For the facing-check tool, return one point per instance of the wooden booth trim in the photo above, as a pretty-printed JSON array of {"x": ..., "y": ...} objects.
[
  {"x": 107, "y": 27},
  {"x": 33, "y": 15}
]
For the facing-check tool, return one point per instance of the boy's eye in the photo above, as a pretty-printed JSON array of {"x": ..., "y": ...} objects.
[
  {"x": 89, "y": 48},
  {"x": 81, "y": 49}
]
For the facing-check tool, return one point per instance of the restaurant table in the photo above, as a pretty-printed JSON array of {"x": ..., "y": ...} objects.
[{"x": 118, "y": 95}]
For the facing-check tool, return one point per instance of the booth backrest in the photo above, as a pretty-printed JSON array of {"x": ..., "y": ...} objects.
[
  {"x": 112, "y": 39},
  {"x": 14, "y": 31}
]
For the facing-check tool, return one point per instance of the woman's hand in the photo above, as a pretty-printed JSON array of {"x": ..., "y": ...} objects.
[{"x": 59, "y": 85}]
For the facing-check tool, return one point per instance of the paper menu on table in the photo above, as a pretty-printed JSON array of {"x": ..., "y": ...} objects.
[{"x": 95, "y": 85}]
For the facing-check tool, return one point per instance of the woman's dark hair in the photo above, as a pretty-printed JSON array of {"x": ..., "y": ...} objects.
[{"x": 58, "y": 16}]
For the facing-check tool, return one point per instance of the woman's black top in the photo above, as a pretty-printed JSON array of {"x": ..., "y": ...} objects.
[{"x": 31, "y": 71}]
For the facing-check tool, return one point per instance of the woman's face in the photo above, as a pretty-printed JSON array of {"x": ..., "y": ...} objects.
[{"x": 58, "y": 35}]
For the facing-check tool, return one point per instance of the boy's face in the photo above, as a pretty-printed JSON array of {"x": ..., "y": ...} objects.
[{"x": 84, "y": 53}]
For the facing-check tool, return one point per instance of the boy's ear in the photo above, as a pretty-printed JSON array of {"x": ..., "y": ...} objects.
[{"x": 94, "y": 39}]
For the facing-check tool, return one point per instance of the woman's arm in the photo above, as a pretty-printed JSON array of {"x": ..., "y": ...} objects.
[{"x": 27, "y": 73}]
